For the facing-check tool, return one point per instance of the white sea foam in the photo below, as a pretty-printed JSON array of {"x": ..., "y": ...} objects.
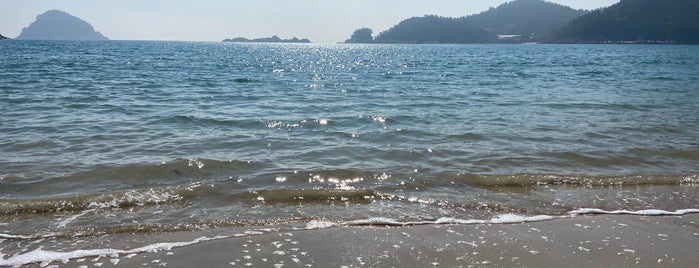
[
  {"x": 46, "y": 256},
  {"x": 62, "y": 223},
  {"x": 647, "y": 212},
  {"x": 513, "y": 218},
  {"x": 319, "y": 225},
  {"x": 499, "y": 219},
  {"x": 379, "y": 221},
  {"x": 458, "y": 221},
  {"x": 11, "y": 236}
]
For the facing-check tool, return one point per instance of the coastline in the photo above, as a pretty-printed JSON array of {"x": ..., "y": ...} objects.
[
  {"x": 369, "y": 156},
  {"x": 581, "y": 241}
]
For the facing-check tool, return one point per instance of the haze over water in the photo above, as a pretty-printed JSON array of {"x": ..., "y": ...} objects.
[{"x": 117, "y": 135}]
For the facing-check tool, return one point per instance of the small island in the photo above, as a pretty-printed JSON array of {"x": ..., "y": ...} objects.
[
  {"x": 273, "y": 39},
  {"x": 59, "y": 25}
]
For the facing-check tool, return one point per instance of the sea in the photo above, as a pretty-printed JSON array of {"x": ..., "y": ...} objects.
[{"x": 130, "y": 145}]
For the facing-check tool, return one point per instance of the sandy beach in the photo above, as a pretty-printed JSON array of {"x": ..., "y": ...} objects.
[{"x": 582, "y": 241}]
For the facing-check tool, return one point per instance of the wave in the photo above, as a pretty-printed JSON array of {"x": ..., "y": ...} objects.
[
  {"x": 245, "y": 80},
  {"x": 300, "y": 196},
  {"x": 645, "y": 212},
  {"x": 334, "y": 196},
  {"x": 154, "y": 228},
  {"x": 177, "y": 170},
  {"x": 295, "y": 223},
  {"x": 499, "y": 219},
  {"x": 468, "y": 136},
  {"x": 577, "y": 180},
  {"x": 207, "y": 121},
  {"x": 180, "y": 168},
  {"x": 662, "y": 78},
  {"x": 40, "y": 255},
  {"x": 117, "y": 199}
]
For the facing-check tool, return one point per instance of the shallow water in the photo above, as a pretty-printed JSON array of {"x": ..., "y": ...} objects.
[{"x": 102, "y": 138}]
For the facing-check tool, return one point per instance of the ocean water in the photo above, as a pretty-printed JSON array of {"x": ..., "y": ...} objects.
[{"x": 99, "y": 139}]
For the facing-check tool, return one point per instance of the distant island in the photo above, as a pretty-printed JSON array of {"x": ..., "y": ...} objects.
[
  {"x": 636, "y": 21},
  {"x": 273, "y": 39},
  {"x": 59, "y": 25},
  {"x": 512, "y": 22}
]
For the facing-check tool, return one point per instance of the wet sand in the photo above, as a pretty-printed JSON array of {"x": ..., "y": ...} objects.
[{"x": 582, "y": 241}]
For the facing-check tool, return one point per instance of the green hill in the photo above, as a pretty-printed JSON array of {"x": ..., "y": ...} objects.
[
  {"x": 526, "y": 20},
  {"x": 636, "y": 21},
  {"x": 433, "y": 29},
  {"x": 532, "y": 18}
]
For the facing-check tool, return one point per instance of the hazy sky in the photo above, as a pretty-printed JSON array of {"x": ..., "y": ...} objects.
[{"x": 214, "y": 20}]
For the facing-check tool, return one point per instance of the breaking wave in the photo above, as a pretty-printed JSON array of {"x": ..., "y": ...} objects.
[
  {"x": 577, "y": 180},
  {"x": 118, "y": 199}
]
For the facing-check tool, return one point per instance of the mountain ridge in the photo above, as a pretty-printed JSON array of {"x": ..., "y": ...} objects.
[{"x": 515, "y": 21}]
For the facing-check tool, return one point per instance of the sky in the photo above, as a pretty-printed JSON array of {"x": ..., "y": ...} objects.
[{"x": 214, "y": 20}]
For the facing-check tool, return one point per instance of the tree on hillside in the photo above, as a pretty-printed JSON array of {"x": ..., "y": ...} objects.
[
  {"x": 433, "y": 29},
  {"x": 637, "y": 21},
  {"x": 533, "y": 20},
  {"x": 525, "y": 17}
]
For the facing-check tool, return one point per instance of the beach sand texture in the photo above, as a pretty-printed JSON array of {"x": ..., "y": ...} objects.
[{"x": 582, "y": 241}]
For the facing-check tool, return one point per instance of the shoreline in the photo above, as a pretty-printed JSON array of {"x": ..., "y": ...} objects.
[{"x": 581, "y": 241}]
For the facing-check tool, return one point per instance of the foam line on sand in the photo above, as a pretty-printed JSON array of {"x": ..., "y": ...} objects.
[{"x": 601, "y": 240}]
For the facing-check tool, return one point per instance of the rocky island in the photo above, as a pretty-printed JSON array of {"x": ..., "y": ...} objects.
[
  {"x": 59, "y": 25},
  {"x": 273, "y": 39},
  {"x": 361, "y": 36}
]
